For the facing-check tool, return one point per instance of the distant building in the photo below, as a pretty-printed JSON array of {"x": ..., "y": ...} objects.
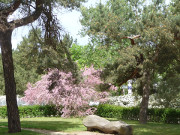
[{"x": 20, "y": 102}]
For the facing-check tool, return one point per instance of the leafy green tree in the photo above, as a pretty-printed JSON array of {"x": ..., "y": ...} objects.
[
  {"x": 88, "y": 55},
  {"x": 33, "y": 58},
  {"x": 34, "y": 53},
  {"x": 95, "y": 54},
  {"x": 30, "y": 11},
  {"x": 168, "y": 90},
  {"x": 156, "y": 31}
]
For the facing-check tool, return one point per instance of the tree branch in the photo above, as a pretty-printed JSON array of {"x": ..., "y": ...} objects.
[
  {"x": 9, "y": 10},
  {"x": 132, "y": 38},
  {"x": 29, "y": 19},
  {"x": 176, "y": 37},
  {"x": 134, "y": 74}
]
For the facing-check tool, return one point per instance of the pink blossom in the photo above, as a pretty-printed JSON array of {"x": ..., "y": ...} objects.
[{"x": 73, "y": 98}]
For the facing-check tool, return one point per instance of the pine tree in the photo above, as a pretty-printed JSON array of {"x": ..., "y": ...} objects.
[
  {"x": 154, "y": 34},
  {"x": 41, "y": 9}
]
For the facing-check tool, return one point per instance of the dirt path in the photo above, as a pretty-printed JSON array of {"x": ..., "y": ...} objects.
[{"x": 48, "y": 132}]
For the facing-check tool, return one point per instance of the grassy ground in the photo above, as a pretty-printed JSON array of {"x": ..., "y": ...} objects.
[
  {"x": 51, "y": 123},
  {"x": 4, "y": 130},
  {"x": 75, "y": 124},
  {"x": 154, "y": 128}
]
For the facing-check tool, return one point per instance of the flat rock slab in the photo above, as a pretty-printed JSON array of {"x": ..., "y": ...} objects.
[{"x": 94, "y": 122}]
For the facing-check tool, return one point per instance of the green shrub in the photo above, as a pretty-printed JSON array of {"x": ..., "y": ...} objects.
[
  {"x": 32, "y": 111},
  {"x": 165, "y": 115},
  {"x": 155, "y": 115},
  {"x": 112, "y": 111},
  {"x": 3, "y": 112},
  {"x": 171, "y": 116}
]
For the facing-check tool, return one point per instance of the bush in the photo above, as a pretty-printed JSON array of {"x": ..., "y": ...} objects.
[
  {"x": 171, "y": 116},
  {"x": 112, "y": 111},
  {"x": 155, "y": 115},
  {"x": 32, "y": 111},
  {"x": 3, "y": 112},
  {"x": 165, "y": 115}
]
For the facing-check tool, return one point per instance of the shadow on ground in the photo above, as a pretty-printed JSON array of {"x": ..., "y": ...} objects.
[
  {"x": 152, "y": 128},
  {"x": 4, "y": 131},
  {"x": 51, "y": 125},
  {"x": 69, "y": 125}
]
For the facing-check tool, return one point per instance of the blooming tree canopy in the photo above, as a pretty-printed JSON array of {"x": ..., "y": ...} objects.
[{"x": 58, "y": 88}]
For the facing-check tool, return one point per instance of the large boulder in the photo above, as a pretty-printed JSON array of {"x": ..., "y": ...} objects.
[{"x": 93, "y": 122}]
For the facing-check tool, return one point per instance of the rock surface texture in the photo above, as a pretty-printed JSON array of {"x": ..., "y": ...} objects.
[{"x": 93, "y": 123}]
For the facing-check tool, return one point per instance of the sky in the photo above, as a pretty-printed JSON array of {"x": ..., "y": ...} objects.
[{"x": 69, "y": 21}]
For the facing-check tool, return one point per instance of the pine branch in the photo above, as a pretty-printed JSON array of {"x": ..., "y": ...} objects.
[
  {"x": 132, "y": 38},
  {"x": 133, "y": 75},
  {"x": 11, "y": 8},
  {"x": 29, "y": 19}
]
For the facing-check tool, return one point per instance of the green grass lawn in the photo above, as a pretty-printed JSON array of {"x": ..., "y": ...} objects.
[
  {"x": 153, "y": 128},
  {"x": 75, "y": 124}
]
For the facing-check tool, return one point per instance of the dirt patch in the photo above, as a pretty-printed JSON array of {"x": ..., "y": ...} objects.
[
  {"x": 89, "y": 133},
  {"x": 48, "y": 132}
]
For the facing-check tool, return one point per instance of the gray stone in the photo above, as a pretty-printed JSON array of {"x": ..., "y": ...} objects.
[{"x": 93, "y": 122}]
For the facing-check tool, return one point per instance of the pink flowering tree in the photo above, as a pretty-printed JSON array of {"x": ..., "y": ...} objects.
[{"x": 58, "y": 88}]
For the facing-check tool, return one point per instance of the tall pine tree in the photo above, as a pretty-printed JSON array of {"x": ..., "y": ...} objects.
[
  {"x": 153, "y": 30},
  {"x": 30, "y": 11}
]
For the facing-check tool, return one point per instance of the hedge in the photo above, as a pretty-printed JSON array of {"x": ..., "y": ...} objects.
[
  {"x": 32, "y": 111},
  {"x": 164, "y": 115}
]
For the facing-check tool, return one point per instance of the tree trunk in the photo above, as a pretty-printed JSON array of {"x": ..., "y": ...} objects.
[
  {"x": 10, "y": 86},
  {"x": 145, "y": 98}
]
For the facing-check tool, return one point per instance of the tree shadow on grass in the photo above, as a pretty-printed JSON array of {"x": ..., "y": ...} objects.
[
  {"x": 69, "y": 125},
  {"x": 156, "y": 129},
  {"x": 51, "y": 125},
  {"x": 152, "y": 128},
  {"x": 4, "y": 131}
]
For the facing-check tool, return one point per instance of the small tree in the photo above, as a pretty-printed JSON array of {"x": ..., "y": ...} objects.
[{"x": 59, "y": 88}]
